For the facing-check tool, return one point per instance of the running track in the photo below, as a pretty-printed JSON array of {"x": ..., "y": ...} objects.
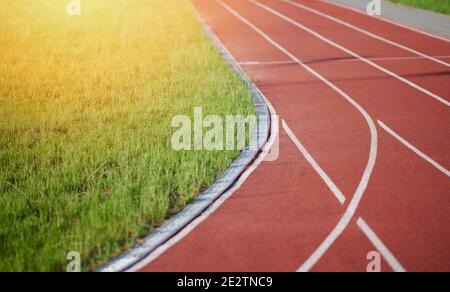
[{"x": 364, "y": 146}]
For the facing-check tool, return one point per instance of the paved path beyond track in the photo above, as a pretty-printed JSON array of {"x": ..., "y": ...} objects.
[{"x": 364, "y": 146}]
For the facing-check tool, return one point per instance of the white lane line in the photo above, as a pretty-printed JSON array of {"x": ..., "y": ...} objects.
[
  {"x": 414, "y": 149},
  {"x": 380, "y": 246},
  {"x": 339, "y": 60},
  {"x": 356, "y": 199},
  {"x": 319, "y": 36},
  {"x": 380, "y": 38},
  {"x": 385, "y": 20},
  {"x": 191, "y": 226},
  {"x": 266, "y": 63},
  {"x": 331, "y": 185}
]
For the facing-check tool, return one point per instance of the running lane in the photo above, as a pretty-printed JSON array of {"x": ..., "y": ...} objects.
[{"x": 281, "y": 216}]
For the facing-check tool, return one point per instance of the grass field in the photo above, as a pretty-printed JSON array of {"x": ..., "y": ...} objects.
[
  {"x": 441, "y": 6},
  {"x": 85, "y": 109}
]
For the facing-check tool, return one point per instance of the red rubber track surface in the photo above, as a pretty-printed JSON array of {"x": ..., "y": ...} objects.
[{"x": 284, "y": 211}]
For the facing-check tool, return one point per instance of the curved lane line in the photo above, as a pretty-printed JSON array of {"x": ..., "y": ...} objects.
[{"x": 357, "y": 197}]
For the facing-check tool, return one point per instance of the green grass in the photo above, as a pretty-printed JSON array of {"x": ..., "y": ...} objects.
[
  {"x": 441, "y": 6},
  {"x": 85, "y": 110}
]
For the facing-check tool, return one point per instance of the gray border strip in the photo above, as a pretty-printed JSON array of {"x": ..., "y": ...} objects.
[
  {"x": 226, "y": 181},
  {"x": 430, "y": 23}
]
